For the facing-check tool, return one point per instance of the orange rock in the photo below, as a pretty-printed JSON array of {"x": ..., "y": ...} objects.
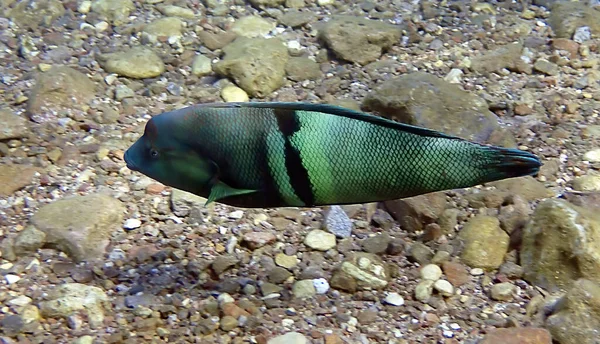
[
  {"x": 522, "y": 335},
  {"x": 233, "y": 310}
]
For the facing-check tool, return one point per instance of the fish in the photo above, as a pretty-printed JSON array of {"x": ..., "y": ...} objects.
[{"x": 286, "y": 154}]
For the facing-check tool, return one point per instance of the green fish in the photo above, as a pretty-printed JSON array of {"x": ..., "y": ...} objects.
[{"x": 267, "y": 155}]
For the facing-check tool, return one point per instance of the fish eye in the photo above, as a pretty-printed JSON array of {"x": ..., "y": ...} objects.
[{"x": 153, "y": 153}]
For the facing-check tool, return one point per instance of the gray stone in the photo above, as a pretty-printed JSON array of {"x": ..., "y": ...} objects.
[
  {"x": 138, "y": 63},
  {"x": 69, "y": 298},
  {"x": 80, "y": 226},
  {"x": 14, "y": 177},
  {"x": 176, "y": 11},
  {"x": 302, "y": 68},
  {"x": 414, "y": 213},
  {"x": 168, "y": 27},
  {"x": 566, "y": 17},
  {"x": 377, "y": 244},
  {"x": 257, "y": 65},
  {"x": 43, "y": 13},
  {"x": 337, "y": 222},
  {"x": 559, "y": 229},
  {"x": 252, "y": 26},
  {"x": 13, "y": 125},
  {"x": 182, "y": 202},
  {"x": 477, "y": 234},
  {"x": 290, "y": 337},
  {"x": 504, "y": 57},
  {"x": 546, "y": 67},
  {"x": 502, "y": 291},
  {"x": 202, "y": 65},
  {"x": 428, "y": 101},
  {"x": 304, "y": 289},
  {"x": 29, "y": 240},
  {"x": 359, "y": 40},
  {"x": 115, "y": 12}
]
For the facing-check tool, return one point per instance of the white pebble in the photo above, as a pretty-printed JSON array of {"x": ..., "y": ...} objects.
[
  {"x": 431, "y": 272},
  {"x": 238, "y": 214},
  {"x": 455, "y": 326},
  {"x": 324, "y": 2},
  {"x": 448, "y": 334},
  {"x": 101, "y": 26},
  {"x": 132, "y": 224},
  {"x": 321, "y": 285},
  {"x": 394, "y": 299},
  {"x": 10, "y": 279},
  {"x": 287, "y": 322},
  {"x": 476, "y": 271},
  {"x": 234, "y": 94},
  {"x": 592, "y": 156},
  {"x": 444, "y": 287},
  {"x": 225, "y": 298},
  {"x": 454, "y": 76},
  {"x": 84, "y": 7}
]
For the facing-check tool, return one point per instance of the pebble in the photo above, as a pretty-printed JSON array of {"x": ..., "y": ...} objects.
[
  {"x": 256, "y": 240},
  {"x": 201, "y": 65},
  {"x": 454, "y": 76},
  {"x": 502, "y": 291},
  {"x": 304, "y": 289},
  {"x": 236, "y": 215},
  {"x": 444, "y": 287},
  {"x": 132, "y": 224},
  {"x": 337, "y": 222},
  {"x": 289, "y": 338},
  {"x": 234, "y": 94},
  {"x": 286, "y": 261},
  {"x": 228, "y": 323},
  {"x": 20, "y": 301},
  {"x": 321, "y": 285},
  {"x": 424, "y": 290},
  {"x": 10, "y": 278},
  {"x": 394, "y": 299},
  {"x": 476, "y": 271},
  {"x": 582, "y": 34},
  {"x": 320, "y": 240},
  {"x": 431, "y": 272},
  {"x": 592, "y": 156}
]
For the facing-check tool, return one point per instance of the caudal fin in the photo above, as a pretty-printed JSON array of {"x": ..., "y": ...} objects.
[{"x": 510, "y": 163}]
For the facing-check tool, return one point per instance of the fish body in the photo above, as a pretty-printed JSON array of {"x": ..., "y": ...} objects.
[{"x": 264, "y": 155}]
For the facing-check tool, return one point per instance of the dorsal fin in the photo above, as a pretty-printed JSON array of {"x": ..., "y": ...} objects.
[{"x": 334, "y": 110}]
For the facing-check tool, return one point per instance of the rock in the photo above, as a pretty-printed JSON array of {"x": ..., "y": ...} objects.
[
  {"x": 589, "y": 182},
  {"x": 13, "y": 125},
  {"x": 31, "y": 15},
  {"x": 80, "y": 226},
  {"x": 295, "y": 18},
  {"x": 527, "y": 187},
  {"x": 114, "y": 11},
  {"x": 320, "y": 240},
  {"x": 137, "y": 63},
  {"x": 486, "y": 199},
  {"x": 423, "y": 290},
  {"x": 222, "y": 263},
  {"x": 69, "y": 298},
  {"x": 131, "y": 224},
  {"x": 304, "y": 289},
  {"x": 582, "y": 34},
  {"x": 361, "y": 271},
  {"x": 431, "y": 272},
  {"x": 201, "y": 66},
  {"x": 257, "y": 65},
  {"x": 12, "y": 325},
  {"x": 182, "y": 202},
  {"x": 377, "y": 244},
  {"x": 234, "y": 94},
  {"x": 14, "y": 177},
  {"x": 321, "y": 285},
  {"x": 360, "y": 40},
  {"x": 252, "y": 26},
  {"x": 477, "y": 234},
  {"x": 504, "y": 57},
  {"x": 11, "y": 278},
  {"x": 576, "y": 318},
  {"x": 214, "y": 41},
  {"x": 256, "y": 240},
  {"x": 290, "y": 337},
  {"x": 279, "y": 275},
  {"x": 59, "y": 92},
  {"x": 167, "y": 27},
  {"x": 511, "y": 270},
  {"x": 546, "y": 67},
  {"x": 517, "y": 335},
  {"x": 123, "y": 92},
  {"x": 84, "y": 340},
  {"x": 30, "y": 314},
  {"x": 29, "y": 240},
  {"x": 394, "y": 299},
  {"x": 566, "y": 17},
  {"x": 559, "y": 229},
  {"x": 302, "y": 68},
  {"x": 337, "y": 222},
  {"x": 420, "y": 253},
  {"x": 502, "y": 291},
  {"x": 176, "y": 11},
  {"x": 285, "y": 261},
  {"x": 591, "y": 156},
  {"x": 414, "y": 213},
  {"x": 228, "y": 323},
  {"x": 425, "y": 100},
  {"x": 443, "y": 287}
]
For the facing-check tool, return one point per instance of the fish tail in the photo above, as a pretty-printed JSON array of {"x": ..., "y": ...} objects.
[{"x": 509, "y": 163}]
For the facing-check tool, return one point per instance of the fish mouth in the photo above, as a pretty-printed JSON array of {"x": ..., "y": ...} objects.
[{"x": 130, "y": 164}]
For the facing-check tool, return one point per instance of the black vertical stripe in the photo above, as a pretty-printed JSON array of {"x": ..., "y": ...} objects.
[{"x": 289, "y": 123}]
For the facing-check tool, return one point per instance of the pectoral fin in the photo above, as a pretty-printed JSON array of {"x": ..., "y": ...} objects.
[{"x": 221, "y": 190}]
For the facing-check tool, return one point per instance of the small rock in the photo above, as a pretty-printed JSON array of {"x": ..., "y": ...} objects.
[
  {"x": 222, "y": 263},
  {"x": 444, "y": 288},
  {"x": 84, "y": 340},
  {"x": 290, "y": 337},
  {"x": 476, "y": 234},
  {"x": 12, "y": 325},
  {"x": 29, "y": 240},
  {"x": 256, "y": 240},
  {"x": 589, "y": 182},
  {"x": 394, "y": 299},
  {"x": 115, "y": 11},
  {"x": 502, "y": 291},
  {"x": 420, "y": 253},
  {"x": 582, "y": 34},
  {"x": 279, "y": 275},
  {"x": 132, "y": 224},
  {"x": 176, "y": 11},
  {"x": 167, "y": 26},
  {"x": 546, "y": 67},
  {"x": 20, "y": 301},
  {"x": 321, "y": 285},
  {"x": 228, "y": 323},
  {"x": 423, "y": 290},
  {"x": 431, "y": 272},
  {"x": 592, "y": 156},
  {"x": 377, "y": 244},
  {"x": 337, "y": 222},
  {"x": 11, "y": 279},
  {"x": 456, "y": 273},
  {"x": 361, "y": 271},
  {"x": 13, "y": 125},
  {"x": 234, "y": 94},
  {"x": 69, "y": 298},
  {"x": 320, "y": 240},
  {"x": 138, "y": 63},
  {"x": 201, "y": 65},
  {"x": 302, "y": 68},
  {"x": 304, "y": 289},
  {"x": 14, "y": 177},
  {"x": 252, "y": 26},
  {"x": 285, "y": 261},
  {"x": 182, "y": 202}
]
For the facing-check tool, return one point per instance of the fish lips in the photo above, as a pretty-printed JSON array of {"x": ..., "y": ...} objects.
[{"x": 129, "y": 161}]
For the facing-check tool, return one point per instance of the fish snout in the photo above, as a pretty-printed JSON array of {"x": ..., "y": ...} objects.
[{"x": 129, "y": 161}]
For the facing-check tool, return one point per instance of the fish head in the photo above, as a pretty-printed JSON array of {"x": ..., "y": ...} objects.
[{"x": 160, "y": 155}]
